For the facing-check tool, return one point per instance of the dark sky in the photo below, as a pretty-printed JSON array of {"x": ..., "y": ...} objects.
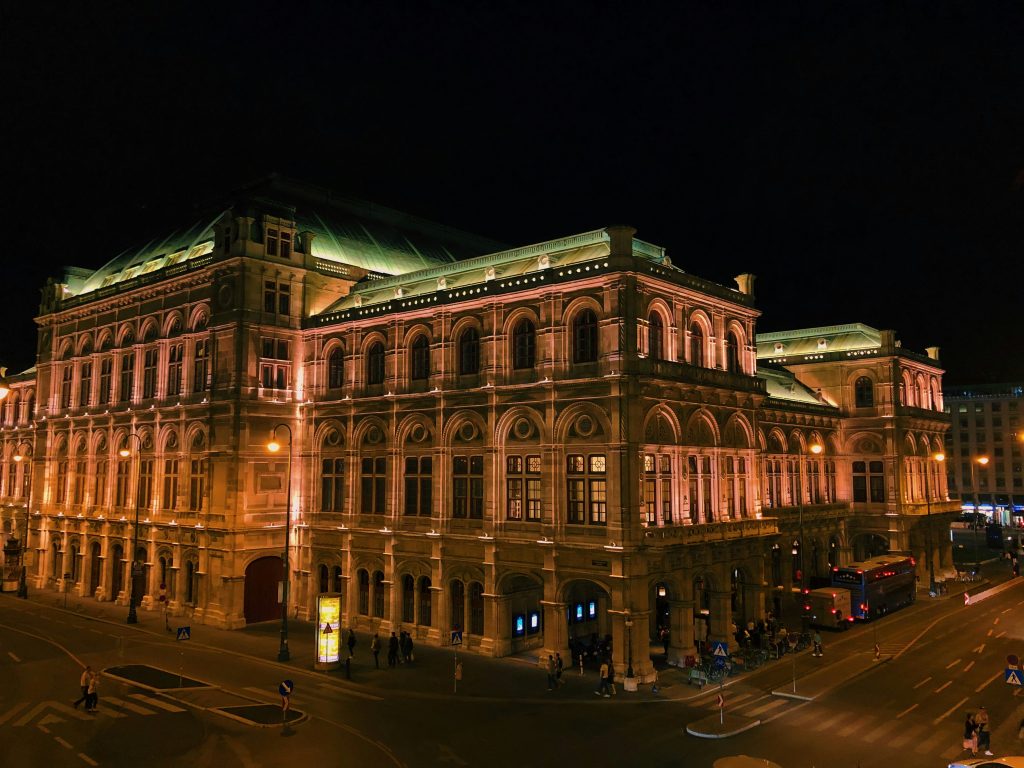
[{"x": 865, "y": 160}]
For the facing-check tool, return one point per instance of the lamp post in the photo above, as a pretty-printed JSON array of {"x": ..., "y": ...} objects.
[
  {"x": 124, "y": 453},
  {"x": 815, "y": 449},
  {"x": 22, "y": 578},
  {"x": 629, "y": 643},
  {"x": 983, "y": 460},
  {"x": 939, "y": 457},
  {"x": 274, "y": 446}
]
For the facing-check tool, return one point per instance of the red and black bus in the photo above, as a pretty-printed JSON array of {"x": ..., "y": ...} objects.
[{"x": 879, "y": 585}]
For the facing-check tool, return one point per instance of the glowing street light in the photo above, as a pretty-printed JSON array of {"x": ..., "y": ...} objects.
[
  {"x": 273, "y": 446},
  {"x": 938, "y": 457},
  {"x": 982, "y": 460}
]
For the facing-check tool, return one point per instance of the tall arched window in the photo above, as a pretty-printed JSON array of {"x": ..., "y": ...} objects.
[
  {"x": 696, "y": 345},
  {"x": 524, "y": 345},
  {"x": 324, "y": 574},
  {"x": 655, "y": 337},
  {"x": 335, "y": 369},
  {"x": 732, "y": 353},
  {"x": 584, "y": 337},
  {"x": 469, "y": 352},
  {"x": 864, "y": 393},
  {"x": 458, "y": 617},
  {"x": 336, "y": 585},
  {"x": 476, "y": 608},
  {"x": 425, "y": 602},
  {"x": 419, "y": 359},
  {"x": 364, "y": 592},
  {"x": 408, "y": 598},
  {"x": 375, "y": 364},
  {"x": 379, "y": 593}
]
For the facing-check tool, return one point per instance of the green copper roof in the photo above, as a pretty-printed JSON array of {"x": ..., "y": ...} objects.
[
  {"x": 809, "y": 341},
  {"x": 783, "y": 385}
]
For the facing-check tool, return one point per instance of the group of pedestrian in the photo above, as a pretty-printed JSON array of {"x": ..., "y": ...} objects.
[
  {"x": 89, "y": 683},
  {"x": 976, "y": 732},
  {"x": 553, "y": 666},
  {"x": 606, "y": 686},
  {"x": 400, "y": 648}
]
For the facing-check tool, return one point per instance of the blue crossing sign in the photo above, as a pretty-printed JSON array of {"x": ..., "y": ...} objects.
[
  {"x": 1013, "y": 676},
  {"x": 184, "y": 633},
  {"x": 720, "y": 649},
  {"x": 456, "y": 637}
]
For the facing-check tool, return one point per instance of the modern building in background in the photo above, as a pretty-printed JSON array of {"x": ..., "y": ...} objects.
[
  {"x": 987, "y": 420},
  {"x": 532, "y": 444}
]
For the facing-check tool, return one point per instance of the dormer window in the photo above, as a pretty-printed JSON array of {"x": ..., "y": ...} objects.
[
  {"x": 279, "y": 243},
  {"x": 272, "y": 242}
]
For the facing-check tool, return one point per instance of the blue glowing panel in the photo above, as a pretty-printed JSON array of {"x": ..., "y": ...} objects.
[
  {"x": 579, "y": 611},
  {"x": 592, "y": 609}
]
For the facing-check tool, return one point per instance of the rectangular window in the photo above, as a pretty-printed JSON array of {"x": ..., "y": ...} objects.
[
  {"x": 814, "y": 480},
  {"x": 586, "y": 489},
  {"x": 468, "y": 487},
  {"x": 419, "y": 480},
  {"x": 124, "y": 468},
  {"x": 793, "y": 477},
  {"x": 65, "y": 386},
  {"x": 332, "y": 485},
  {"x": 84, "y": 385},
  {"x": 286, "y": 245},
  {"x": 99, "y": 495},
  {"x": 523, "y": 488},
  {"x": 174, "y": 358},
  {"x": 170, "y": 495},
  {"x": 372, "y": 485},
  {"x": 106, "y": 370},
  {"x": 868, "y": 482},
  {"x": 145, "y": 489},
  {"x": 12, "y": 479},
  {"x": 199, "y": 365},
  {"x": 127, "y": 377},
  {"x": 269, "y": 296},
  {"x": 197, "y": 484},
  {"x": 830, "y": 481},
  {"x": 62, "y": 481},
  {"x": 149, "y": 366},
  {"x": 657, "y": 489},
  {"x": 700, "y": 484},
  {"x": 773, "y": 495},
  {"x": 78, "y": 487},
  {"x": 271, "y": 242}
]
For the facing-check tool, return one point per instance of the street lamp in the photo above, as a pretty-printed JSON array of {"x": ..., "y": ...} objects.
[
  {"x": 274, "y": 446},
  {"x": 983, "y": 460},
  {"x": 124, "y": 453},
  {"x": 22, "y": 581},
  {"x": 815, "y": 449},
  {"x": 939, "y": 457}
]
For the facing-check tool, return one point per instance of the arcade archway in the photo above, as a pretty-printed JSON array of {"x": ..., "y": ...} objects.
[{"x": 261, "y": 580}]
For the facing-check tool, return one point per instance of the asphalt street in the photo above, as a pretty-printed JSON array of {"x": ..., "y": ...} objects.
[{"x": 939, "y": 658}]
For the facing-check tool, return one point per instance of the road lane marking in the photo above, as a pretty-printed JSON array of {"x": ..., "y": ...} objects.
[
  {"x": 922, "y": 682},
  {"x": 63, "y": 743},
  {"x": 87, "y": 759},
  {"x": 949, "y": 711},
  {"x": 981, "y": 648},
  {"x": 1009, "y": 609},
  {"x": 12, "y": 712},
  {"x": 847, "y": 730},
  {"x": 156, "y": 702},
  {"x": 952, "y": 664},
  {"x": 1001, "y": 634},
  {"x": 944, "y": 686},
  {"x": 824, "y": 726},
  {"x": 880, "y": 731},
  {"x": 987, "y": 683},
  {"x": 911, "y": 708},
  {"x": 766, "y": 708},
  {"x": 128, "y": 705},
  {"x": 9, "y": 653},
  {"x": 968, "y": 667},
  {"x": 989, "y": 633},
  {"x": 996, "y": 621}
]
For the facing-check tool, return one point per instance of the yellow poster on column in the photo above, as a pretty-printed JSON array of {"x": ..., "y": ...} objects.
[{"x": 328, "y": 631}]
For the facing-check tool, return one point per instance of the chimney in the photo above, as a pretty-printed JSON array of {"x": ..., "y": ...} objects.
[
  {"x": 745, "y": 283},
  {"x": 888, "y": 342},
  {"x": 621, "y": 238},
  {"x": 933, "y": 352}
]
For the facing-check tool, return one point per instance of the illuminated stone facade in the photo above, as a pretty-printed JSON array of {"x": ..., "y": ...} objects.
[{"x": 531, "y": 444}]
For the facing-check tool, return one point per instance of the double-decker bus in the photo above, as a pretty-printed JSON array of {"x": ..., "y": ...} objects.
[{"x": 877, "y": 586}]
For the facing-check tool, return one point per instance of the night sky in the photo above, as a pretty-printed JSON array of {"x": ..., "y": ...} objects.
[{"x": 865, "y": 160}]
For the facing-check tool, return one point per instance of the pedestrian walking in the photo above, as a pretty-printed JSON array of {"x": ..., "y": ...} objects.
[
  {"x": 970, "y": 734},
  {"x": 405, "y": 645},
  {"x": 984, "y": 735},
  {"x": 375, "y": 650},
  {"x": 92, "y": 698},
  {"x": 559, "y": 664},
  {"x": 602, "y": 688},
  {"x": 611, "y": 677},
  {"x": 549, "y": 667},
  {"x": 664, "y": 637},
  {"x": 817, "y": 644},
  {"x": 392, "y": 650},
  {"x": 351, "y": 642},
  {"x": 83, "y": 683}
]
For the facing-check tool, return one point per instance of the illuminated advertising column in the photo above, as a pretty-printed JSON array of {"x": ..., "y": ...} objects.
[{"x": 328, "y": 631}]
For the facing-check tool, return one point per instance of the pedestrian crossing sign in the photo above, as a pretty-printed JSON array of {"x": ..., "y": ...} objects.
[
  {"x": 456, "y": 637},
  {"x": 184, "y": 633},
  {"x": 720, "y": 649},
  {"x": 1013, "y": 676}
]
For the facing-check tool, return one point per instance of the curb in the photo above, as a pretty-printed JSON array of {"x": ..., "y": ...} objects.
[
  {"x": 796, "y": 696},
  {"x": 725, "y": 734}
]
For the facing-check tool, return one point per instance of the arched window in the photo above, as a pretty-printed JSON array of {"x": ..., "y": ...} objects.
[
  {"x": 364, "y": 592},
  {"x": 336, "y": 586},
  {"x": 864, "y": 393},
  {"x": 419, "y": 360},
  {"x": 324, "y": 574},
  {"x": 375, "y": 364},
  {"x": 584, "y": 337},
  {"x": 732, "y": 353},
  {"x": 696, "y": 345},
  {"x": 191, "y": 582},
  {"x": 408, "y": 598},
  {"x": 476, "y": 608},
  {"x": 425, "y": 602},
  {"x": 335, "y": 369},
  {"x": 655, "y": 337},
  {"x": 469, "y": 352},
  {"x": 524, "y": 345},
  {"x": 378, "y": 594},
  {"x": 458, "y": 617}
]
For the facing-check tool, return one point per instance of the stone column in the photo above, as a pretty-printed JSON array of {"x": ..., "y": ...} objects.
[
  {"x": 681, "y": 629},
  {"x": 721, "y": 617},
  {"x": 556, "y": 637}
]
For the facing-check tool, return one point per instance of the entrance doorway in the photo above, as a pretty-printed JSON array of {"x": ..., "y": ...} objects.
[{"x": 262, "y": 577}]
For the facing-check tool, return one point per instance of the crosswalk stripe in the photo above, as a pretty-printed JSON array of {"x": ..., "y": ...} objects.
[
  {"x": 908, "y": 735},
  {"x": 766, "y": 708},
  {"x": 880, "y": 731},
  {"x": 932, "y": 744},
  {"x": 129, "y": 706},
  {"x": 826, "y": 724},
  {"x": 847, "y": 730},
  {"x": 156, "y": 702},
  {"x": 802, "y": 717},
  {"x": 12, "y": 712},
  {"x": 109, "y": 712}
]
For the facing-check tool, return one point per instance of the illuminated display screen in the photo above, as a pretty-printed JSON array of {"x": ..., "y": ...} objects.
[
  {"x": 328, "y": 628},
  {"x": 592, "y": 609},
  {"x": 579, "y": 611},
  {"x": 520, "y": 624},
  {"x": 534, "y": 621}
]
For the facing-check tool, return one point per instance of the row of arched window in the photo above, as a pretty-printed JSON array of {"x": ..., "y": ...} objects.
[{"x": 466, "y": 602}]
